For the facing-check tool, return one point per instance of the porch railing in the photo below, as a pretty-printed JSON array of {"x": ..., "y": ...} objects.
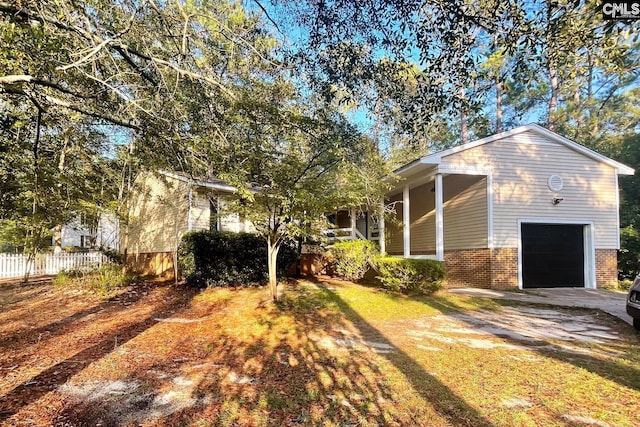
[{"x": 350, "y": 233}]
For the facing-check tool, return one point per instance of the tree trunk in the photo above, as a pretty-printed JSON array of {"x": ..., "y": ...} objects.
[
  {"x": 272, "y": 256},
  {"x": 464, "y": 130},
  {"x": 124, "y": 204},
  {"x": 499, "y": 87},
  {"x": 32, "y": 247},
  {"x": 57, "y": 239},
  {"x": 553, "y": 100},
  {"x": 498, "y": 104}
]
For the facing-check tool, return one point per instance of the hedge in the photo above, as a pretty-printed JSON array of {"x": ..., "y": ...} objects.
[
  {"x": 213, "y": 258},
  {"x": 352, "y": 259},
  {"x": 410, "y": 275}
]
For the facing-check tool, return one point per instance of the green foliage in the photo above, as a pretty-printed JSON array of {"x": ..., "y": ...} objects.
[
  {"x": 113, "y": 255},
  {"x": 352, "y": 259},
  {"x": 104, "y": 280},
  {"x": 629, "y": 254},
  {"x": 410, "y": 275},
  {"x": 212, "y": 258}
]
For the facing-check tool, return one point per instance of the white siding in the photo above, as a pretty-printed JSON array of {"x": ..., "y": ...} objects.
[
  {"x": 200, "y": 211},
  {"x": 521, "y": 167}
]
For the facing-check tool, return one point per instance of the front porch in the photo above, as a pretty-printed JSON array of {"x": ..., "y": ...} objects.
[{"x": 430, "y": 213}]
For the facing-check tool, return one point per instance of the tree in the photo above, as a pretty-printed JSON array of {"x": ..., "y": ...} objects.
[
  {"x": 79, "y": 80},
  {"x": 298, "y": 162}
]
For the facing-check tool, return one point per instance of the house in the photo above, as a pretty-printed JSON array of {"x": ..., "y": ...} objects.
[
  {"x": 102, "y": 232},
  {"x": 163, "y": 206},
  {"x": 520, "y": 209}
]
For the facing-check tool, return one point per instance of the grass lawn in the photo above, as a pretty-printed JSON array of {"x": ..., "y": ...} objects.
[{"x": 330, "y": 353}]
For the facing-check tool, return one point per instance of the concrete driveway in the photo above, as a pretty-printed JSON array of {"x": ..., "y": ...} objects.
[{"x": 610, "y": 302}]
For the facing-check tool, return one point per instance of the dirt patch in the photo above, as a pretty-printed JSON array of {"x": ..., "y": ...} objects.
[{"x": 514, "y": 328}]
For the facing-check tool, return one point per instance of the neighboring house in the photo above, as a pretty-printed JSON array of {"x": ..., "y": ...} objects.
[
  {"x": 163, "y": 207},
  {"x": 77, "y": 233},
  {"x": 524, "y": 208}
]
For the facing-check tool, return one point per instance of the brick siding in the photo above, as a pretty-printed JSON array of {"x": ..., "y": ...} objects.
[
  {"x": 468, "y": 268},
  {"x": 504, "y": 268},
  {"x": 606, "y": 268},
  {"x": 156, "y": 264}
]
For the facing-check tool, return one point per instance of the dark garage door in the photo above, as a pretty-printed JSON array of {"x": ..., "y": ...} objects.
[{"x": 552, "y": 255}]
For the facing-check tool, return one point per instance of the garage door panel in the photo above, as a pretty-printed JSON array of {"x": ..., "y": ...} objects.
[{"x": 552, "y": 255}]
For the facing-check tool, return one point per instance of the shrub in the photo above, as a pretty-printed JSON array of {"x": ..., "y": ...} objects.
[
  {"x": 102, "y": 280},
  {"x": 352, "y": 259},
  {"x": 414, "y": 275},
  {"x": 629, "y": 254},
  {"x": 214, "y": 258},
  {"x": 113, "y": 255}
]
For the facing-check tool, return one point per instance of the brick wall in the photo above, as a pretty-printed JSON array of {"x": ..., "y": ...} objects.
[
  {"x": 606, "y": 268},
  {"x": 468, "y": 268},
  {"x": 504, "y": 268},
  {"x": 156, "y": 264}
]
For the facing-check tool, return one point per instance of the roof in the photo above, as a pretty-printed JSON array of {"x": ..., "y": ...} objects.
[
  {"x": 436, "y": 158},
  {"x": 207, "y": 182}
]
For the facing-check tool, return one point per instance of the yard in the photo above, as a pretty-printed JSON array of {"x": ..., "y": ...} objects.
[{"x": 331, "y": 353}]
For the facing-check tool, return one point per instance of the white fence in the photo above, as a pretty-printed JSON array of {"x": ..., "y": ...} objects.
[{"x": 16, "y": 265}]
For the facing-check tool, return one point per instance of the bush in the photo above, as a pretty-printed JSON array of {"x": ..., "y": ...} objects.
[
  {"x": 629, "y": 254},
  {"x": 102, "y": 280},
  {"x": 213, "y": 258},
  {"x": 352, "y": 259},
  {"x": 413, "y": 275}
]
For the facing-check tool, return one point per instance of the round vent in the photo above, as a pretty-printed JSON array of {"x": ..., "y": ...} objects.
[{"x": 555, "y": 183}]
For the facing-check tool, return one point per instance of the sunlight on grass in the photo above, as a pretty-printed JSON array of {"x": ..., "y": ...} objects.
[{"x": 380, "y": 305}]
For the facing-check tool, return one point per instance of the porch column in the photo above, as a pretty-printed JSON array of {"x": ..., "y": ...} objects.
[
  {"x": 439, "y": 219},
  {"x": 381, "y": 229},
  {"x": 352, "y": 212},
  {"x": 406, "y": 222}
]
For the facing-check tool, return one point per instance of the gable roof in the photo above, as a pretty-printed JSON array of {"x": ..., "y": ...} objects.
[
  {"x": 209, "y": 182},
  {"x": 436, "y": 158}
]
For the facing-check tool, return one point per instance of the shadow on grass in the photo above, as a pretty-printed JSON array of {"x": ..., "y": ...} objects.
[
  {"x": 623, "y": 374},
  {"x": 443, "y": 400},
  {"x": 56, "y": 375},
  {"x": 68, "y": 324},
  {"x": 316, "y": 374},
  {"x": 296, "y": 363}
]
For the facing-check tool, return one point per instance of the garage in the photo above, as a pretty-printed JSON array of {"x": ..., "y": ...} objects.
[{"x": 553, "y": 255}]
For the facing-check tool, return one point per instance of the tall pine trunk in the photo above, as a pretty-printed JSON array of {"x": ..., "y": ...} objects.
[
  {"x": 553, "y": 99},
  {"x": 498, "y": 104},
  {"x": 464, "y": 129}
]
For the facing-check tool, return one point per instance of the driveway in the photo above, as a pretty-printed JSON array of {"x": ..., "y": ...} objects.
[{"x": 610, "y": 302}]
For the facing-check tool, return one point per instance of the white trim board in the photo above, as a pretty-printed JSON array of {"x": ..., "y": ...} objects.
[{"x": 589, "y": 246}]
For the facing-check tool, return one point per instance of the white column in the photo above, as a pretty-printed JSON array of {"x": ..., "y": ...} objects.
[
  {"x": 382, "y": 243},
  {"x": 439, "y": 221},
  {"x": 352, "y": 212},
  {"x": 406, "y": 222}
]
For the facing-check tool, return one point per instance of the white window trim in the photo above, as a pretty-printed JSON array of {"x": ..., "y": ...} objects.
[{"x": 589, "y": 247}]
